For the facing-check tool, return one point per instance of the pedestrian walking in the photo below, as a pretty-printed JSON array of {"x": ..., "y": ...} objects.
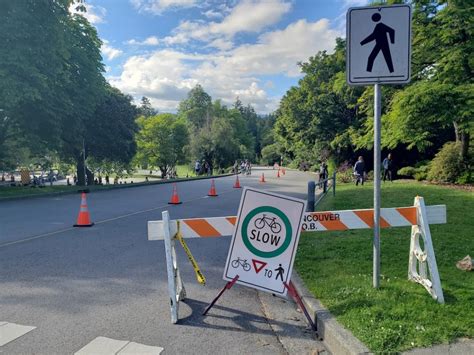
[
  {"x": 197, "y": 167},
  {"x": 388, "y": 168},
  {"x": 359, "y": 170},
  {"x": 323, "y": 173}
]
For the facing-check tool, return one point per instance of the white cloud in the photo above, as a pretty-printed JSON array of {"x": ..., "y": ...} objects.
[
  {"x": 150, "y": 41},
  {"x": 157, "y": 7},
  {"x": 213, "y": 14},
  {"x": 94, "y": 14},
  {"x": 167, "y": 75},
  {"x": 354, "y": 3},
  {"x": 250, "y": 16},
  {"x": 109, "y": 51},
  {"x": 221, "y": 44}
]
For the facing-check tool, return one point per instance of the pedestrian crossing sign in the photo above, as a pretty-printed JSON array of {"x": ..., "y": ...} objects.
[
  {"x": 378, "y": 45},
  {"x": 265, "y": 240}
]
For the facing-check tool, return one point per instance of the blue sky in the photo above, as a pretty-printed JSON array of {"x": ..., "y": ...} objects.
[{"x": 233, "y": 48}]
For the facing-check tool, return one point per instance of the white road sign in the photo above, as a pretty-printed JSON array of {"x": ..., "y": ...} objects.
[
  {"x": 265, "y": 240},
  {"x": 378, "y": 45}
]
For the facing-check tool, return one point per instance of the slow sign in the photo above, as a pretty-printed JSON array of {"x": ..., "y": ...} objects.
[{"x": 265, "y": 240}]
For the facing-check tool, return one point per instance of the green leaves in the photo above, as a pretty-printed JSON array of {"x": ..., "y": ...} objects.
[
  {"x": 324, "y": 113},
  {"x": 161, "y": 140}
]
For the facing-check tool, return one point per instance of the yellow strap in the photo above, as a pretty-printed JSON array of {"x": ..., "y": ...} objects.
[{"x": 199, "y": 276}]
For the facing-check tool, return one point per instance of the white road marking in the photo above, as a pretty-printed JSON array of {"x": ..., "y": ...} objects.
[
  {"x": 98, "y": 222},
  {"x": 135, "y": 348},
  {"x": 12, "y": 331},
  {"x": 102, "y": 346},
  {"x": 107, "y": 346}
]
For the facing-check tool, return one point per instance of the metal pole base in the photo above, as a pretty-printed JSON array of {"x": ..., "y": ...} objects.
[{"x": 228, "y": 286}]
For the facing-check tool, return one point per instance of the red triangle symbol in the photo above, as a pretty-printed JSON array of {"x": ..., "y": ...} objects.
[{"x": 258, "y": 265}]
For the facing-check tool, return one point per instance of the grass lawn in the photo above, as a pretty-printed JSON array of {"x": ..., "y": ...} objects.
[
  {"x": 337, "y": 269},
  {"x": 28, "y": 191}
]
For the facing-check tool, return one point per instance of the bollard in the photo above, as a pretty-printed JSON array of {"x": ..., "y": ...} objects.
[
  {"x": 334, "y": 184},
  {"x": 311, "y": 189}
]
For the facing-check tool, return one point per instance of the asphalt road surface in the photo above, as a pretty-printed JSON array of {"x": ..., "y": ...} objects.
[{"x": 71, "y": 286}]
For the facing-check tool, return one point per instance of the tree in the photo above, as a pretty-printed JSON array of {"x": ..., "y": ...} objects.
[
  {"x": 196, "y": 109},
  {"x": 51, "y": 75},
  {"x": 145, "y": 108},
  {"x": 110, "y": 134},
  {"x": 161, "y": 140},
  {"x": 85, "y": 88},
  {"x": 33, "y": 56}
]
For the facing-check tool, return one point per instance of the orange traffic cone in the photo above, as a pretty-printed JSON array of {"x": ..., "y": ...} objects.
[
  {"x": 174, "y": 197},
  {"x": 83, "y": 219},
  {"x": 237, "y": 183},
  {"x": 212, "y": 191},
  {"x": 278, "y": 173},
  {"x": 262, "y": 179}
]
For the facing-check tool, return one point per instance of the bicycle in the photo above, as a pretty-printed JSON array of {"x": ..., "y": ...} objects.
[
  {"x": 264, "y": 220},
  {"x": 242, "y": 262}
]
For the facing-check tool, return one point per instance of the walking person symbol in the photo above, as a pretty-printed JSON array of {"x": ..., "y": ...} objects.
[
  {"x": 379, "y": 35},
  {"x": 279, "y": 273}
]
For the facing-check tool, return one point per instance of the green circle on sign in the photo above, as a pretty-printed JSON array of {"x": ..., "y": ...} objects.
[{"x": 245, "y": 237}]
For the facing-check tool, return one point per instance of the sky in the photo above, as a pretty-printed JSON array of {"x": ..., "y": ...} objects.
[{"x": 233, "y": 48}]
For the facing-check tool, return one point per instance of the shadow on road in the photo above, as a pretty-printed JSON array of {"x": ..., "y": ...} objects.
[{"x": 244, "y": 321}]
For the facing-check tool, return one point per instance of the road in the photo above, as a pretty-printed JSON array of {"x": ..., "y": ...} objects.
[{"x": 76, "y": 284}]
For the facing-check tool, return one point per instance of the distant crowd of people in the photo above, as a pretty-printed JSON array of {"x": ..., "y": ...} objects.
[
  {"x": 245, "y": 167},
  {"x": 203, "y": 167}
]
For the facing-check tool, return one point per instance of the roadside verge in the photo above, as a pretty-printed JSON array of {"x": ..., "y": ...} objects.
[
  {"x": 94, "y": 188},
  {"x": 336, "y": 338}
]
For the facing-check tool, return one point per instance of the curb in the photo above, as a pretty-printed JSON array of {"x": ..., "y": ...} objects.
[
  {"x": 110, "y": 187},
  {"x": 336, "y": 338}
]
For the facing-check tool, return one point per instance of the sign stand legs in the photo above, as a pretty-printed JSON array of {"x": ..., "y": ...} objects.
[
  {"x": 377, "y": 124},
  {"x": 228, "y": 286},
  {"x": 292, "y": 290},
  {"x": 176, "y": 288},
  {"x": 422, "y": 267}
]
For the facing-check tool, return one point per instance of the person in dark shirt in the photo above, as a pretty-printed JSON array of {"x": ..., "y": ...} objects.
[
  {"x": 388, "y": 168},
  {"x": 359, "y": 171}
]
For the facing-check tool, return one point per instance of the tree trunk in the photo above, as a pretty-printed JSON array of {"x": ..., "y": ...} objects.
[
  {"x": 462, "y": 137},
  {"x": 164, "y": 171},
  {"x": 81, "y": 179},
  {"x": 90, "y": 177}
]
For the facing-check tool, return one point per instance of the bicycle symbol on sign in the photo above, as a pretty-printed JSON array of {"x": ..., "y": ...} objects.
[
  {"x": 242, "y": 262},
  {"x": 264, "y": 220}
]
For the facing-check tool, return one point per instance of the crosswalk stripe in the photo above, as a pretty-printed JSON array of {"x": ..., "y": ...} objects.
[
  {"x": 12, "y": 331},
  {"x": 108, "y": 346},
  {"x": 135, "y": 348}
]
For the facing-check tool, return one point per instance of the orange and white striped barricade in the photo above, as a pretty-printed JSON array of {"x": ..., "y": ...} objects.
[{"x": 419, "y": 217}]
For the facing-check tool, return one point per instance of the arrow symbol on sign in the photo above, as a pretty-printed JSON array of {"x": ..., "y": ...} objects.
[{"x": 258, "y": 265}]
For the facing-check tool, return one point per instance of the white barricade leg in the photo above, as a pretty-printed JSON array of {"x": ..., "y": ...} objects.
[
  {"x": 176, "y": 289},
  {"x": 422, "y": 267}
]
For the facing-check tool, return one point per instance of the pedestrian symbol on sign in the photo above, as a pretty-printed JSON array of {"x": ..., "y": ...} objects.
[
  {"x": 379, "y": 35},
  {"x": 279, "y": 273}
]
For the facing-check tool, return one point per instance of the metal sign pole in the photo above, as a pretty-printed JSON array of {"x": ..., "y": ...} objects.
[{"x": 377, "y": 113}]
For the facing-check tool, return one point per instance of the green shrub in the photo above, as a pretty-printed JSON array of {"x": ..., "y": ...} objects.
[
  {"x": 422, "y": 172},
  {"x": 407, "y": 171},
  {"x": 447, "y": 166},
  {"x": 465, "y": 178},
  {"x": 271, "y": 154},
  {"x": 369, "y": 176},
  {"x": 345, "y": 173}
]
